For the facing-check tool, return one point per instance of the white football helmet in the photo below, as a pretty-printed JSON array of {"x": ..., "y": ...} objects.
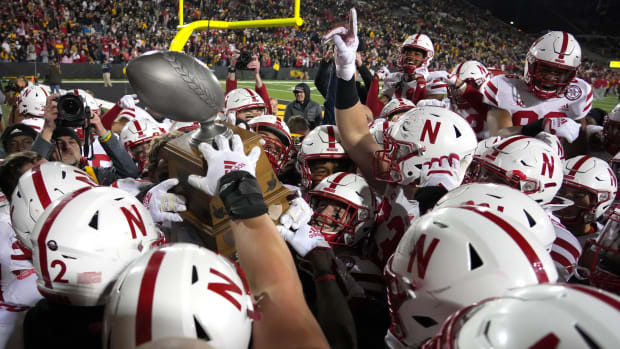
[
  {"x": 187, "y": 291},
  {"x": 521, "y": 162},
  {"x": 420, "y": 42},
  {"x": 554, "y": 142},
  {"x": 137, "y": 132},
  {"x": 452, "y": 257},
  {"x": 377, "y": 127},
  {"x": 184, "y": 126},
  {"x": 322, "y": 143},
  {"x": 37, "y": 189},
  {"x": 31, "y": 101},
  {"x": 84, "y": 240},
  {"x": 395, "y": 106},
  {"x": 241, "y": 99},
  {"x": 611, "y": 130},
  {"x": 472, "y": 71},
  {"x": 555, "y": 51},
  {"x": 356, "y": 218},
  {"x": 559, "y": 316},
  {"x": 601, "y": 257},
  {"x": 591, "y": 184},
  {"x": 504, "y": 201},
  {"x": 278, "y": 150},
  {"x": 418, "y": 136}
]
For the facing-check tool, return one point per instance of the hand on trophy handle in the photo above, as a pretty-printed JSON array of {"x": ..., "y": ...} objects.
[{"x": 223, "y": 161}]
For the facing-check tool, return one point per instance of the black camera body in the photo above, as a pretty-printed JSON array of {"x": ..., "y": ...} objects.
[
  {"x": 12, "y": 86},
  {"x": 72, "y": 111},
  {"x": 245, "y": 57}
]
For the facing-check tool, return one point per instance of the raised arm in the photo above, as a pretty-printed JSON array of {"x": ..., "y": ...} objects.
[{"x": 286, "y": 320}]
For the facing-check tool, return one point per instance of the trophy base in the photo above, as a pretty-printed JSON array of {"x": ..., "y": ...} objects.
[{"x": 206, "y": 213}]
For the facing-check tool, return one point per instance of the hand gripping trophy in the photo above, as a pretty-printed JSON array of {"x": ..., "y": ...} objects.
[{"x": 184, "y": 89}]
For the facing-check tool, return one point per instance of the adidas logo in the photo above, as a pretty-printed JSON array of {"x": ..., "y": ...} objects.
[{"x": 565, "y": 107}]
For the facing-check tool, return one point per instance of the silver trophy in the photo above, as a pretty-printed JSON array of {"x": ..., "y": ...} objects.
[{"x": 181, "y": 88}]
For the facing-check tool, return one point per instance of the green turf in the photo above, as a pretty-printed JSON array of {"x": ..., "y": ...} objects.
[
  {"x": 283, "y": 90},
  {"x": 607, "y": 103}
]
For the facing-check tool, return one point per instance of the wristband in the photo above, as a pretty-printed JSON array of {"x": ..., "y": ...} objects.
[
  {"x": 241, "y": 195},
  {"x": 106, "y": 137},
  {"x": 232, "y": 70},
  {"x": 533, "y": 128},
  {"x": 346, "y": 94}
]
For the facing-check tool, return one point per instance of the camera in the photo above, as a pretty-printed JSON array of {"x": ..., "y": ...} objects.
[
  {"x": 72, "y": 111},
  {"x": 244, "y": 59}
]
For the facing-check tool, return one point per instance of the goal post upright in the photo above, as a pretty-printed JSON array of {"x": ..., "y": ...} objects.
[{"x": 185, "y": 31}]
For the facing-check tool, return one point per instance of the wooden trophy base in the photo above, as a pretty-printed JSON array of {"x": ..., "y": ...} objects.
[{"x": 206, "y": 213}]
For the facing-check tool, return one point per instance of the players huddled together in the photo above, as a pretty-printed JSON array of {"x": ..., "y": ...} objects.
[{"x": 476, "y": 210}]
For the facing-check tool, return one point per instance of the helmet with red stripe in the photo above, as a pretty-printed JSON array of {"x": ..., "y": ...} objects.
[
  {"x": 591, "y": 184},
  {"x": 241, "y": 99},
  {"x": 377, "y": 127},
  {"x": 416, "y": 42},
  {"x": 601, "y": 257},
  {"x": 611, "y": 130},
  {"x": 31, "y": 101},
  {"x": 36, "y": 190},
  {"x": 615, "y": 166},
  {"x": 418, "y": 136},
  {"x": 396, "y": 106},
  {"x": 84, "y": 240},
  {"x": 179, "y": 290},
  {"x": 559, "y": 316},
  {"x": 472, "y": 72},
  {"x": 504, "y": 201},
  {"x": 137, "y": 132},
  {"x": 344, "y": 208},
  {"x": 452, "y": 257},
  {"x": 551, "y": 64},
  {"x": 278, "y": 142},
  {"x": 320, "y": 145},
  {"x": 521, "y": 162}
]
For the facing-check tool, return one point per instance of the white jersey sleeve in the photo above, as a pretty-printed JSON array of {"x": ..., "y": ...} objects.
[
  {"x": 581, "y": 93},
  {"x": 436, "y": 84},
  {"x": 390, "y": 83}
]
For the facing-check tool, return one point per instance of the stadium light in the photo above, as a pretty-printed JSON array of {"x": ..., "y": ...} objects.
[
  {"x": 185, "y": 31},
  {"x": 614, "y": 64}
]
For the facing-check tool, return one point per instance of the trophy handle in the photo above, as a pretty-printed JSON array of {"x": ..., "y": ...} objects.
[{"x": 207, "y": 132}]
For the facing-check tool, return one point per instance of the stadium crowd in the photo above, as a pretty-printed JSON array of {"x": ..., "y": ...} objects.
[
  {"x": 427, "y": 208},
  {"x": 97, "y": 31}
]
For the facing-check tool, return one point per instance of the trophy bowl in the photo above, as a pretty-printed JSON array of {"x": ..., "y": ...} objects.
[{"x": 176, "y": 85}]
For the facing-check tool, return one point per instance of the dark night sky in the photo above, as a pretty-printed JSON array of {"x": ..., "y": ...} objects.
[{"x": 578, "y": 17}]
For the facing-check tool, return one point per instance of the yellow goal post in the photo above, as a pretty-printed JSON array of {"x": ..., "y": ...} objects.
[{"x": 186, "y": 30}]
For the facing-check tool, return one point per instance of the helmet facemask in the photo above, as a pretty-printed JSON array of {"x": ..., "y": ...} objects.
[
  {"x": 547, "y": 80},
  {"x": 585, "y": 203},
  {"x": 397, "y": 163},
  {"x": 600, "y": 261},
  {"x": 412, "y": 57},
  {"x": 336, "y": 218}
]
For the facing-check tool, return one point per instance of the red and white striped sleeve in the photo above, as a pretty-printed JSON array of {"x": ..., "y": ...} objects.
[
  {"x": 490, "y": 92},
  {"x": 582, "y": 105},
  {"x": 565, "y": 251}
]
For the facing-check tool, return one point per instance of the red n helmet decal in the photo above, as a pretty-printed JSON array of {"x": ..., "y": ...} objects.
[
  {"x": 225, "y": 289},
  {"x": 134, "y": 220},
  {"x": 423, "y": 257},
  {"x": 547, "y": 166},
  {"x": 432, "y": 132}
]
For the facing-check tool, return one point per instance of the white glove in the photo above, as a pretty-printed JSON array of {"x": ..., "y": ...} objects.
[
  {"x": 563, "y": 127},
  {"x": 222, "y": 161},
  {"x": 163, "y": 206},
  {"x": 303, "y": 240},
  {"x": 298, "y": 214},
  {"x": 345, "y": 40},
  {"x": 383, "y": 73},
  {"x": 450, "y": 79},
  {"x": 431, "y": 102},
  {"x": 443, "y": 172},
  {"x": 594, "y": 130},
  {"x": 128, "y": 101}
]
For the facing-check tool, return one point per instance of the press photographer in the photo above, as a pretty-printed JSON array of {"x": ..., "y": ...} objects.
[{"x": 58, "y": 141}]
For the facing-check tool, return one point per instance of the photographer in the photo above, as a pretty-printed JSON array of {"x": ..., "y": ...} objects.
[
  {"x": 60, "y": 143},
  {"x": 246, "y": 61},
  {"x": 11, "y": 92}
]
